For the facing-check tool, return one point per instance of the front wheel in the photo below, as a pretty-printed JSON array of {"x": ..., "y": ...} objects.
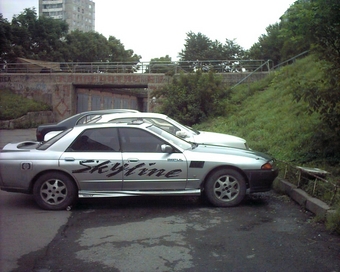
[
  {"x": 54, "y": 191},
  {"x": 225, "y": 188}
]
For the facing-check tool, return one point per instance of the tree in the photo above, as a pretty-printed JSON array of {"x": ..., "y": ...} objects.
[
  {"x": 202, "y": 53},
  {"x": 86, "y": 47},
  {"x": 269, "y": 45},
  {"x": 294, "y": 29},
  {"x": 119, "y": 53},
  {"x": 161, "y": 65},
  {"x": 48, "y": 39},
  {"x": 5, "y": 38},
  {"x": 324, "y": 31},
  {"x": 190, "y": 98},
  {"x": 36, "y": 38}
]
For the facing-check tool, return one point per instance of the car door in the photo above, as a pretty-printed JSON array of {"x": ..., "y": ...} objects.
[
  {"x": 146, "y": 166},
  {"x": 95, "y": 160}
]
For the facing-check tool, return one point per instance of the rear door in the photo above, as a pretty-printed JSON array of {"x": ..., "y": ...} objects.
[{"x": 95, "y": 160}]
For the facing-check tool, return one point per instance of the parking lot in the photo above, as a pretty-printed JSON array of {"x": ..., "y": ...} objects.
[{"x": 267, "y": 233}]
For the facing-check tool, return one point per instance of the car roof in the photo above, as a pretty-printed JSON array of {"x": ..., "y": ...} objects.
[
  {"x": 108, "y": 117},
  {"x": 77, "y": 116}
]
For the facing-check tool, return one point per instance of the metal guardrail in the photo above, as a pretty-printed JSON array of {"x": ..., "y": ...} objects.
[
  {"x": 316, "y": 182},
  {"x": 220, "y": 66},
  {"x": 291, "y": 60}
]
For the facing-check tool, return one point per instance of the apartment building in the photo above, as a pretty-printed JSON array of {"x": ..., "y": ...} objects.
[{"x": 79, "y": 14}]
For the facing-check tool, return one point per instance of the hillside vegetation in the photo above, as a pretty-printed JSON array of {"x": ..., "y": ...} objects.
[{"x": 266, "y": 114}]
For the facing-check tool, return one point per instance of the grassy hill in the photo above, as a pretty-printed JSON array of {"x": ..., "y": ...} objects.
[{"x": 266, "y": 114}]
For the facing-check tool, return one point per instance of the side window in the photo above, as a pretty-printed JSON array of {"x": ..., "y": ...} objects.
[
  {"x": 137, "y": 140},
  {"x": 96, "y": 140}
]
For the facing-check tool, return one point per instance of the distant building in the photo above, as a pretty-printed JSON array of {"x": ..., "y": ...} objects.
[{"x": 79, "y": 14}]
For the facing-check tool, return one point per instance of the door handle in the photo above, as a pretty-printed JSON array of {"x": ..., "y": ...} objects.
[
  {"x": 69, "y": 159},
  {"x": 133, "y": 160}
]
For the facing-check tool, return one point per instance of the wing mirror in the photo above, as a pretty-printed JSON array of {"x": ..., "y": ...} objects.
[
  {"x": 166, "y": 148},
  {"x": 181, "y": 134}
]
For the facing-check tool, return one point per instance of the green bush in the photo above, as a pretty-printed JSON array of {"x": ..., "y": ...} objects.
[{"x": 13, "y": 106}]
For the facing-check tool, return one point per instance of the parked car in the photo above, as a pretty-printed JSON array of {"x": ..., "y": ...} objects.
[
  {"x": 130, "y": 159},
  {"x": 187, "y": 133},
  {"x": 80, "y": 118}
]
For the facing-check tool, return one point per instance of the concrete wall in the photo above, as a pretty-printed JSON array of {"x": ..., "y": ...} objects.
[{"x": 60, "y": 89}]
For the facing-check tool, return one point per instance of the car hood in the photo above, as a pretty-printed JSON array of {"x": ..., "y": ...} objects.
[
  {"x": 223, "y": 150},
  {"x": 220, "y": 139}
]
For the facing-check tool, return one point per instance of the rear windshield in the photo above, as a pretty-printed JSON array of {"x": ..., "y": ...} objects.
[{"x": 47, "y": 144}]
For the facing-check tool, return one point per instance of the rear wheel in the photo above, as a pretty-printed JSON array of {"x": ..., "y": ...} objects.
[
  {"x": 225, "y": 188},
  {"x": 54, "y": 191}
]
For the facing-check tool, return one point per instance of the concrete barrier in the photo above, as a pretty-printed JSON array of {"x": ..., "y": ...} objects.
[{"x": 312, "y": 204}]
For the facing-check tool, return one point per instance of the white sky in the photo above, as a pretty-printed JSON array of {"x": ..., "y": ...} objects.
[{"x": 155, "y": 28}]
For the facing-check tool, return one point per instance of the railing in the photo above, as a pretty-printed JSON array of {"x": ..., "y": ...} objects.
[
  {"x": 316, "y": 182},
  {"x": 291, "y": 60},
  {"x": 219, "y": 66}
]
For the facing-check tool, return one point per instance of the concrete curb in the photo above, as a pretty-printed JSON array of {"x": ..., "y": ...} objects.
[{"x": 312, "y": 204}]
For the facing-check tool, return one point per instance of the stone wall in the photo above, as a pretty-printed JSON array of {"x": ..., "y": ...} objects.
[{"x": 30, "y": 120}]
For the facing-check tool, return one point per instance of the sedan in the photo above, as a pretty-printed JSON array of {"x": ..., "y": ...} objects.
[
  {"x": 170, "y": 125},
  {"x": 80, "y": 118},
  {"x": 130, "y": 159}
]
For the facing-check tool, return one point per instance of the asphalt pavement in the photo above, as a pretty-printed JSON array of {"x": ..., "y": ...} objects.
[{"x": 268, "y": 233}]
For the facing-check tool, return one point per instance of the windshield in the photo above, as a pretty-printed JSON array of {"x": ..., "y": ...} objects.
[
  {"x": 171, "y": 138},
  {"x": 186, "y": 128},
  {"x": 47, "y": 144}
]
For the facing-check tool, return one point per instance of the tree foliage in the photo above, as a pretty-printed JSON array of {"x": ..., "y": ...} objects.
[
  {"x": 287, "y": 38},
  {"x": 161, "y": 65},
  {"x": 190, "y": 98},
  {"x": 200, "y": 53},
  {"x": 48, "y": 39},
  {"x": 324, "y": 30}
]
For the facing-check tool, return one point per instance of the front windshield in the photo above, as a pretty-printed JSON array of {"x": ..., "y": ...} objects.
[
  {"x": 185, "y": 128},
  {"x": 171, "y": 138}
]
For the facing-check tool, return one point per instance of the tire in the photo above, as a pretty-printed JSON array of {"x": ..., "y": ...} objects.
[
  {"x": 54, "y": 191},
  {"x": 225, "y": 188}
]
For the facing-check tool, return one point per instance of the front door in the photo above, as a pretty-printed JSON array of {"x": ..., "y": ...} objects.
[{"x": 146, "y": 167}]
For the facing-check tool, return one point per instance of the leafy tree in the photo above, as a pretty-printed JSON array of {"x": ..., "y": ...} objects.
[
  {"x": 190, "y": 98},
  {"x": 202, "y": 53},
  {"x": 269, "y": 45},
  {"x": 324, "y": 31},
  {"x": 86, "y": 46},
  {"x": 48, "y": 39},
  {"x": 36, "y": 38},
  {"x": 294, "y": 29},
  {"x": 5, "y": 38},
  {"x": 119, "y": 54},
  {"x": 161, "y": 65}
]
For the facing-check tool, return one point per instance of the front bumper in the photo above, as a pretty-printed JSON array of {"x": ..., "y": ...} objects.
[{"x": 261, "y": 180}]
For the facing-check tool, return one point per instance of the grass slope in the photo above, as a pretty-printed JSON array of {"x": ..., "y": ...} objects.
[{"x": 267, "y": 116}]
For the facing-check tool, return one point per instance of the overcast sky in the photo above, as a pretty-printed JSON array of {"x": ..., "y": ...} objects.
[{"x": 155, "y": 28}]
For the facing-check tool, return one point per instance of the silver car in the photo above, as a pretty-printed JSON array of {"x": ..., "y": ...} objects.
[{"x": 130, "y": 159}]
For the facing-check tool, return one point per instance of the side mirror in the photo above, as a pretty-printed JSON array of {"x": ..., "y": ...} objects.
[
  {"x": 166, "y": 148},
  {"x": 181, "y": 134}
]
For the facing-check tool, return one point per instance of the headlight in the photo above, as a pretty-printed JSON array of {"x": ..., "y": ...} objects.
[{"x": 268, "y": 165}]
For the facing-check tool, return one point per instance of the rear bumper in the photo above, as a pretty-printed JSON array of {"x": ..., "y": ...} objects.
[{"x": 261, "y": 180}]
